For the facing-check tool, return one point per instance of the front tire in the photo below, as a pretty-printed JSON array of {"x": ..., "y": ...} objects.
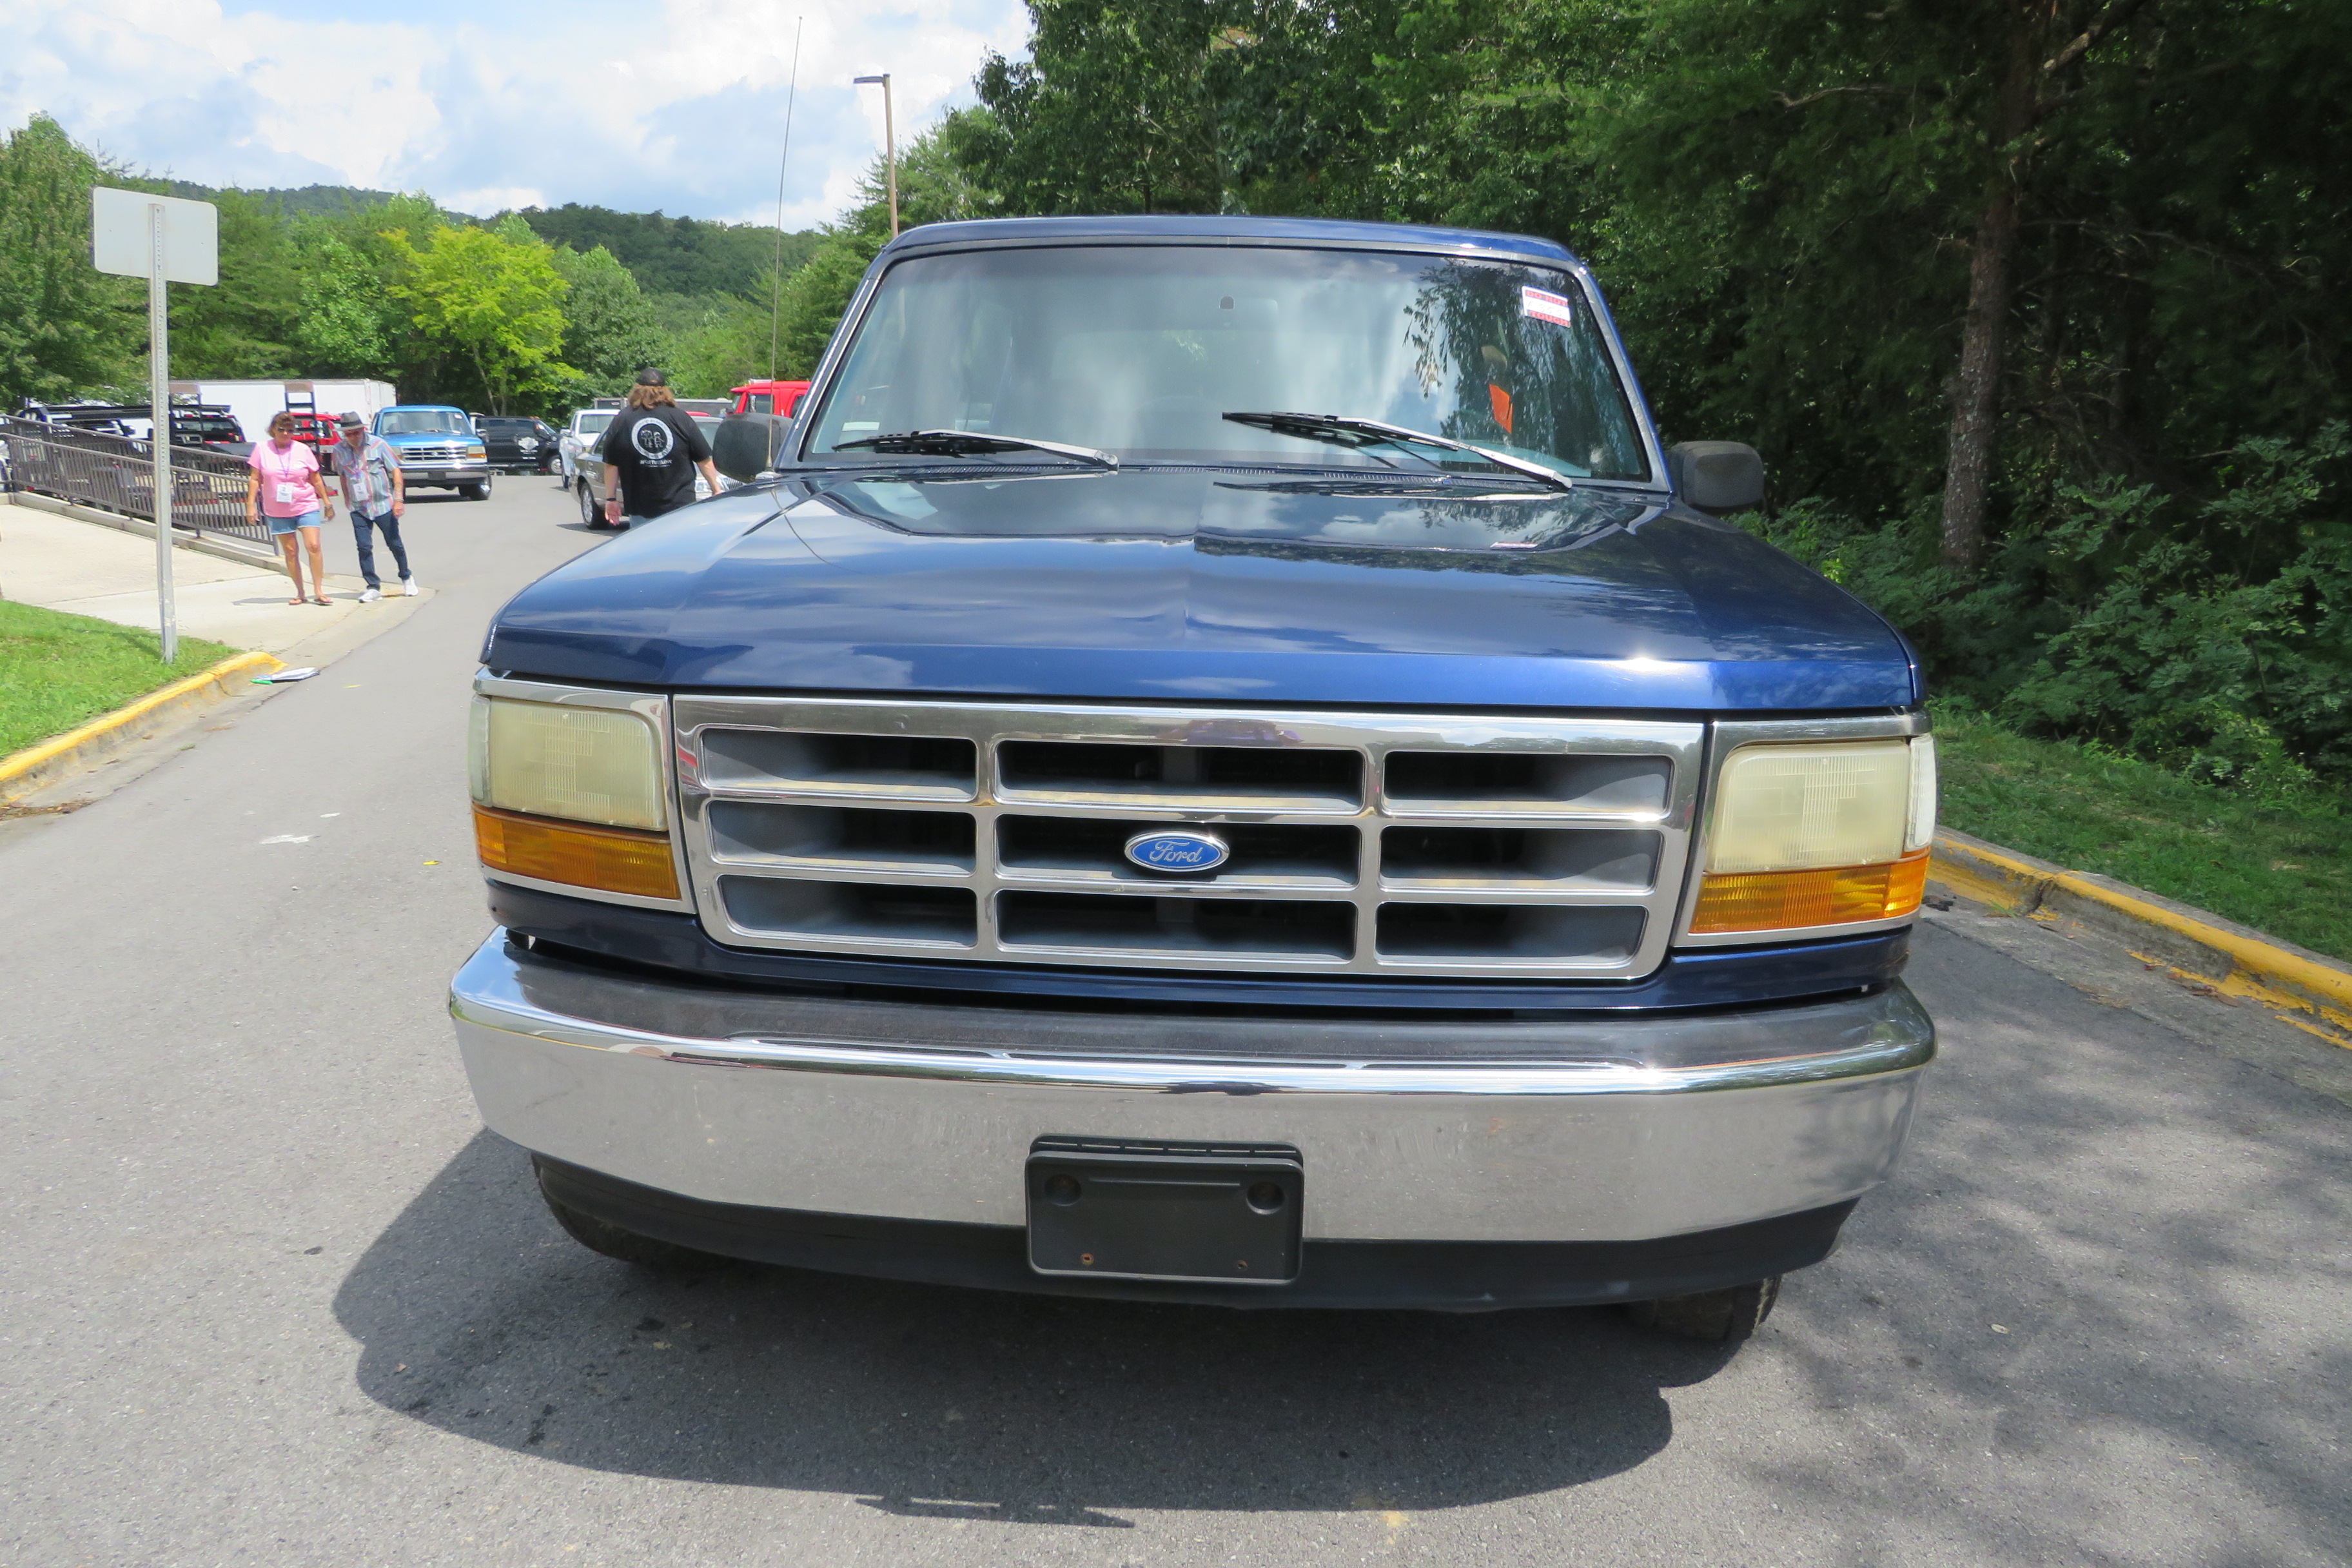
[
  {"x": 1718, "y": 1316},
  {"x": 592, "y": 516},
  {"x": 478, "y": 490}
]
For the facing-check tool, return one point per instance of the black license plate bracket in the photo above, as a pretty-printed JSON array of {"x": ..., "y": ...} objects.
[{"x": 1211, "y": 1212}]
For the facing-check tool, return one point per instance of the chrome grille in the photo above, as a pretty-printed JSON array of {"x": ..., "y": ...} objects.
[
  {"x": 1378, "y": 844},
  {"x": 432, "y": 452}
]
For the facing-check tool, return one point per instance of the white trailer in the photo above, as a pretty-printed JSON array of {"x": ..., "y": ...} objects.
[{"x": 257, "y": 402}]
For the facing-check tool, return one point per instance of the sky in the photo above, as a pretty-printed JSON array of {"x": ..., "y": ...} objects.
[{"x": 675, "y": 106}]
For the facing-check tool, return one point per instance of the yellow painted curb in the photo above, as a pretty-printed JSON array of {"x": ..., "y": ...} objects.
[
  {"x": 26, "y": 770},
  {"x": 2315, "y": 992}
]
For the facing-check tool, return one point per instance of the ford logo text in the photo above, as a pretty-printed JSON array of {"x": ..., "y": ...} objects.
[{"x": 1164, "y": 851}]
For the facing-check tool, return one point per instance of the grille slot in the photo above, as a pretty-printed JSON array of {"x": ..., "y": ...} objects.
[
  {"x": 1232, "y": 778},
  {"x": 865, "y": 912},
  {"x": 1510, "y": 933},
  {"x": 1372, "y": 844},
  {"x": 1520, "y": 858},
  {"x": 841, "y": 837},
  {"x": 891, "y": 767},
  {"x": 1092, "y": 848},
  {"x": 1498, "y": 784},
  {"x": 1262, "y": 927}
]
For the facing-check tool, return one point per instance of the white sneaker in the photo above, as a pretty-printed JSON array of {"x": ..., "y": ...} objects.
[
  {"x": 408, "y": 586},
  {"x": 371, "y": 595}
]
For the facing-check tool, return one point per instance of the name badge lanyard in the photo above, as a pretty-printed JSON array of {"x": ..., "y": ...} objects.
[{"x": 285, "y": 486}]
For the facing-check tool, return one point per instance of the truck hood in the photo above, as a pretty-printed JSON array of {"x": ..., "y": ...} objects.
[{"x": 1208, "y": 584}]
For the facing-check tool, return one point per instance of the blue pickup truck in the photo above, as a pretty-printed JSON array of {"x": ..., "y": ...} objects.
[
  {"x": 437, "y": 447},
  {"x": 1225, "y": 764}
]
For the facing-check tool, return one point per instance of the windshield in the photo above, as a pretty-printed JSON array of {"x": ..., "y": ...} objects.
[
  {"x": 592, "y": 424},
  {"x": 1140, "y": 350},
  {"x": 423, "y": 421}
]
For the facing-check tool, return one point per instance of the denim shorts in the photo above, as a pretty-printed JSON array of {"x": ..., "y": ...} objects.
[{"x": 280, "y": 527}]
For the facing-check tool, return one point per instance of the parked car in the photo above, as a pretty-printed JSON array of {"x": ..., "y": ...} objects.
[
  {"x": 213, "y": 430},
  {"x": 438, "y": 447},
  {"x": 578, "y": 441},
  {"x": 1087, "y": 825},
  {"x": 519, "y": 444}
]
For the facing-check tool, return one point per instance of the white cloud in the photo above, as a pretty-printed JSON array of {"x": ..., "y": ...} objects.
[{"x": 676, "y": 106}]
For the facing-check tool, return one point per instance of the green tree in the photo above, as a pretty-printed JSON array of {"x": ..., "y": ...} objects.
[
  {"x": 495, "y": 301},
  {"x": 609, "y": 331},
  {"x": 246, "y": 325},
  {"x": 347, "y": 323},
  {"x": 65, "y": 327}
]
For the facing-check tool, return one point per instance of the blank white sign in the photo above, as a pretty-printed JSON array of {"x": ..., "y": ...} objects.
[{"x": 119, "y": 241}]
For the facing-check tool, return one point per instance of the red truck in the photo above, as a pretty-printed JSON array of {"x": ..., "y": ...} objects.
[
  {"x": 778, "y": 397},
  {"x": 317, "y": 431}
]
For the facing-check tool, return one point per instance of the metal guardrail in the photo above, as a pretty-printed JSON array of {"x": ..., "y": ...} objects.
[{"x": 118, "y": 475}]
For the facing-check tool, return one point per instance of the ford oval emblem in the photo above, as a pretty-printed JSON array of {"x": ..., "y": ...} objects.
[{"x": 1166, "y": 850}]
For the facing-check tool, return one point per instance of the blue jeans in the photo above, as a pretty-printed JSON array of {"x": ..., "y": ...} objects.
[{"x": 364, "y": 527}]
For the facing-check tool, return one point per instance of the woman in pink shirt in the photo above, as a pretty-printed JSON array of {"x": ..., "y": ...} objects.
[{"x": 285, "y": 487}]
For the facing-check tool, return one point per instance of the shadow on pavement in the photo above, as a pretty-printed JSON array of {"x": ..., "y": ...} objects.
[{"x": 479, "y": 1317}]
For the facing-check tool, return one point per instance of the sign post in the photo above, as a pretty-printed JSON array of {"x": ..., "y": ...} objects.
[{"x": 164, "y": 241}]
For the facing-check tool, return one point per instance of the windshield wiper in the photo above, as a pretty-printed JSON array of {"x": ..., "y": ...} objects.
[
  {"x": 1345, "y": 430},
  {"x": 970, "y": 443}
]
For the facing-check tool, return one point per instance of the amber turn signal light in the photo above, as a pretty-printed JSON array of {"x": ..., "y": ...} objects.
[
  {"x": 609, "y": 859},
  {"x": 1837, "y": 895}
]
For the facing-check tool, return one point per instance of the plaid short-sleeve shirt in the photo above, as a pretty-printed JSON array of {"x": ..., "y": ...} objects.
[{"x": 367, "y": 475}]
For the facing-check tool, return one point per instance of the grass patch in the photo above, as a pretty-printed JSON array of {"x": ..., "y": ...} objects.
[
  {"x": 2279, "y": 866},
  {"x": 58, "y": 671}
]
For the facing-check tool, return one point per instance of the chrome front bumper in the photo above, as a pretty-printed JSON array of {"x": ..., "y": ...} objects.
[{"x": 1592, "y": 1130}]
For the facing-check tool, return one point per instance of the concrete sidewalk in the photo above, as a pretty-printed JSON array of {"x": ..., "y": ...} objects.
[{"x": 85, "y": 568}]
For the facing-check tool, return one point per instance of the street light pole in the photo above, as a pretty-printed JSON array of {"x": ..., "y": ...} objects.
[{"x": 889, "y": 143}]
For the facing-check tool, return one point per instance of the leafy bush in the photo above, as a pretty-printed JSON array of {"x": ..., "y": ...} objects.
[{"x": 2210, "y": 633}]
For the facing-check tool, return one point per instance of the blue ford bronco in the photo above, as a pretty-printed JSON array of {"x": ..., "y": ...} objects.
[
  {"x": 1224, "y": 762},
  {"x": 437, "y": 447}
]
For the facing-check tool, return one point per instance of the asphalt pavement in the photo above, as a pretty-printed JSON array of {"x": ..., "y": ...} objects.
[{"x": 270, "y": 1295}]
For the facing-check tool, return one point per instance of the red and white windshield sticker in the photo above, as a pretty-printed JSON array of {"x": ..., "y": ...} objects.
[{"x": 1543, "y": 307}]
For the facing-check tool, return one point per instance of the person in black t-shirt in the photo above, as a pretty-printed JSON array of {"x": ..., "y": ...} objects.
[{"x": 651, "y": 452}]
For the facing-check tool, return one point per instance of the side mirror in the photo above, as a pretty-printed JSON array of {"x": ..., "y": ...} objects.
[
  {"x": 745, "y": 445},
  {"x": 1716, "y": 476}
]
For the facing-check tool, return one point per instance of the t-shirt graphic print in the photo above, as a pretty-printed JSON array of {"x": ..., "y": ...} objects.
[{"x": 653, "y": 441}]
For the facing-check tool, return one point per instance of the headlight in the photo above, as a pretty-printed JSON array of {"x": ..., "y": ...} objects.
[
  {"x": 478, "y": 451},
  {"x": 571, "y": 794},
  {"x": 1828, "y": 833}
]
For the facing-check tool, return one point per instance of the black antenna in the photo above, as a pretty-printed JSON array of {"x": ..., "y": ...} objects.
[{"x": 776, "y": 280}]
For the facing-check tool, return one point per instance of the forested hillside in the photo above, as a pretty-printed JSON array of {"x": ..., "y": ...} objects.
[
  {"x": 673, "y": 255},
  {"x": 292, "y": 200}
]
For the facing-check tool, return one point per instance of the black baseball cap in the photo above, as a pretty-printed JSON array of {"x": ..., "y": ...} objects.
[{"x": 649, "y": 376}]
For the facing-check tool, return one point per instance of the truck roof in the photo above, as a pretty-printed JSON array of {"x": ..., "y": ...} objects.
[{"x": 1311, "y": 231}]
